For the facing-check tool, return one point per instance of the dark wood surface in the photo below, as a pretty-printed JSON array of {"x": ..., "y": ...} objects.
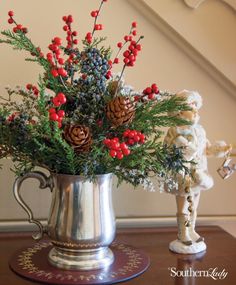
[{"x": 220, "y": 254}]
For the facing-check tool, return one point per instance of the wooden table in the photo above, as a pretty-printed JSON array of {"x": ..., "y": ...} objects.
[{"x": 221, "y": 254}]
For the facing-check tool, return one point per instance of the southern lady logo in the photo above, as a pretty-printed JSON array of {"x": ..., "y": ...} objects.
[{"x": 214, "y": 273}]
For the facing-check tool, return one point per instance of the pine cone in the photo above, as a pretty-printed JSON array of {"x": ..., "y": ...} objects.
[
  {"x": 120, "y": 111},
  {"x": 79, "y": 137}
]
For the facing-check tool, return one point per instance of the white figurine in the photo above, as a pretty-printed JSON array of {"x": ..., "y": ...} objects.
[{"x": 196, "y": 147}]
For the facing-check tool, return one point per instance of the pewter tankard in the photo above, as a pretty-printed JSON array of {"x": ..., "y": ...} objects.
[{"x": 81, "y": 223}]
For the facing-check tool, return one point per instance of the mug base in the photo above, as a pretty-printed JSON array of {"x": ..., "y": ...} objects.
[{"x": 81, "y": 259}]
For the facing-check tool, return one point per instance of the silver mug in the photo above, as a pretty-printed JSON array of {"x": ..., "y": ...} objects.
[{"x": 81, "y": 223}]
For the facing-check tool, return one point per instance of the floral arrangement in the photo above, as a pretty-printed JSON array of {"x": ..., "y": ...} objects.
[{"x": 82, "y": 119}]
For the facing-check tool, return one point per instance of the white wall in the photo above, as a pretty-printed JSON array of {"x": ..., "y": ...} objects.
[{"x": 162, "y": 61}]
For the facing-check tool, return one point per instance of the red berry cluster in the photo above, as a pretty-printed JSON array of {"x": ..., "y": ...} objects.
[
  {"x": 18, "y": 27},
  {"x": 59, "y": 99},
  {"x": 116, "y": 148},
  {"x": 89, "y": 38},
  {"x": 54, "y": 57},
  {"x": 70, "y": 34},
  {"x": 133, "y": 137},
  {"x": 56, "y": 116},
  {"x": 131, "y": 53},
  {"x": 96, "y": 27},
  {"x": 151, "y": 91},
  {"x": 120, "y": 45},
  {"x": 32, "y": 88}
]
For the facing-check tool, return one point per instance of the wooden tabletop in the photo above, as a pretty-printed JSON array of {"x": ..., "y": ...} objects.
[{"x": 220, "y": 254}]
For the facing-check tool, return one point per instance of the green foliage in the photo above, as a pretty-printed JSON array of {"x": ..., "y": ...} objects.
[{"x": 31, "y": 138}]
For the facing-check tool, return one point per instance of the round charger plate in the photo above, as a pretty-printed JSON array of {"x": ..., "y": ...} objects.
[{"x": 31, "y": 262}]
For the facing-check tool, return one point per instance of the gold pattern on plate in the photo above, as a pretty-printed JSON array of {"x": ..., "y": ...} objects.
[
  {"x": 26, "y": 263},
  {"x": 72, "y": 245}
]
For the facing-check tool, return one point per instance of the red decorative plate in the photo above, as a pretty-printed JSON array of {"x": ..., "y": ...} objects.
[{"x": 31, "y": 263}]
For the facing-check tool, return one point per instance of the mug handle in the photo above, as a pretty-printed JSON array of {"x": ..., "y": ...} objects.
[{"x": 44, "y": 183}]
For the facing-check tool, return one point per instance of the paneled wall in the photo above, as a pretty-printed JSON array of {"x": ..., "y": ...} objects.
[{"x": 183, "y": 49}]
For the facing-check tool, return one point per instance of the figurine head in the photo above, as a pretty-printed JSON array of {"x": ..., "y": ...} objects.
[{"x": 194, "y": 100}]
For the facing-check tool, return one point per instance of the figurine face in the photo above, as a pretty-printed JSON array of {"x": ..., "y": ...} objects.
[{"x": 191, "y": 116}]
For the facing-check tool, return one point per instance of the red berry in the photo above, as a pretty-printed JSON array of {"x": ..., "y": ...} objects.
[
  {"x": 64, "y": 18},
  {"x": 49, "y": 55},
  {"x": 142, "y": 137},
  {"x": 19, "y": 27},
  {"x": 126, "y": 38},
  {"x": 135, "y": 51},
  {"x": 53, "y": 117},
  {"x": 126, "y": 60},
  {"x": 89, "y": 35},
  {"x": 106, "y": 142},
  {"x": 115, "y": 139},
  {"x": 61, "y": 98},
  {"x": 36, "y": 92},
  {"x": 108, "y": 75},
  {"x": 70, "y": 19},
  {"x": 116, "y": 60},
  {"x": 132, "y": 134},
  {"x": 75, "y": 41},
  {"x": 24, "y": 30},
  {"x": 155, "y": 88},
  {"x": 61, "y": 113},
  {"x": 138, "y": 47},
  {"x": 29, "y": 86},
  {"x": 126, "y": 53},
  {"x": 134, "y": 33},
  {"x": 112, "y": 153},
  {"x": 10, "y": 13},
  {"x": 136, "y": 138},
  {"x": 136, "y": 98},
  {"x": 119, "y": 155},
  {"x": 74, "y": 34},
  {"x": 131, "y": 142},
  {"x": 10, "y": 21},
  {"x": 56, "y": 102},
  {"x": 57, "y": 41},
  {"x": 61, "y": 61},
  {"x": 65, "y": 28},
  {"x": 131, "y": 47},
  {"x": 54, "y": 72},
  {"x": 134, "y": 25},
  {"x": 52, "y": 110},
  {"x": 120, "y": 45},
  {"x": 115, "y": 145},
  {"x": 126, "y": 151},
  {"x": 131, "y": 57},
  {"x": 123, "y": 146},
  {"x": 62, "y": 72},
  {"x": 151, "y": 96},
  {"x": 126, "y": 133},
  {"x": 148, "y": 90},
  {"x": 94, "y": 14}
]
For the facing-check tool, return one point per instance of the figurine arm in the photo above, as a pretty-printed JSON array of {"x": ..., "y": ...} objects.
[{"x": 218, "y": 149}]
